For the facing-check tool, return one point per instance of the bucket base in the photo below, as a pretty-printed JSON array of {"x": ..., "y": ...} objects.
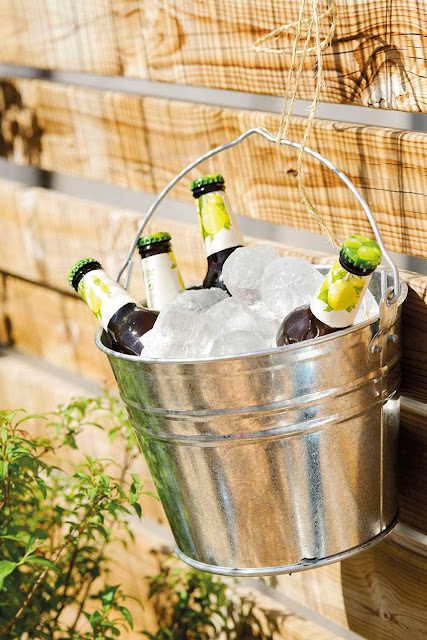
[{"x": 291, "y": 568}]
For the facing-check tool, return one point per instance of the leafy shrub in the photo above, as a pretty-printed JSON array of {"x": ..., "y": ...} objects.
[
  {"x": 193, "y": 605},
  {"x": 56, "y": 525}
]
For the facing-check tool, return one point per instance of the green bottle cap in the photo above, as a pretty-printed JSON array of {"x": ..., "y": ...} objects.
[
  {"x": 160, "y": 236},
  {"x": 212, "y": 178},
  {"x": 361, "y": 252},
  {"x": 76, "y": 270}
]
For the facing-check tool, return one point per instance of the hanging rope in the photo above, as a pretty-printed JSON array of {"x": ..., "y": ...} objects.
[{"x": 311, "y": 23}]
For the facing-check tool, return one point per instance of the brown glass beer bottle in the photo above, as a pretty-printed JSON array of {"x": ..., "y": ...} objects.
[
  {"x": 221, "y": 234},
  {"x": 338, "y": 299},
  {"x": 124, "y": 319},
  {"x": 163, "y": 281}
]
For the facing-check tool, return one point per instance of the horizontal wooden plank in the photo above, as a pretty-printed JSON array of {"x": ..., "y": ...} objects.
[
  {"x": 413, "y": 465},
  {"x": 414, "y": 318},
  {"x": 379, "y": 594},
  {"x": 53, "y": 326},
  {"x": 141, "y": 143},
  {"x": 42, "y": 233},
  {"x": 378, "y": 55}
]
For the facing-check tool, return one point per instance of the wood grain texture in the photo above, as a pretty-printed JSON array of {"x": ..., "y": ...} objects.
[
  {"x": 378, "y": 55},
  {"x": 414, "y": 317},
  {"x": 379, "y": 594},
  {"x": 43, "y": 233},
  {"x": 142, "y": 143},
  {"x": 413, "y": 465},
  {"x": 53, "y": 326}
]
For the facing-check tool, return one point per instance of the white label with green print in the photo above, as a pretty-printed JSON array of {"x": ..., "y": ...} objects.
[
  {"x": 162, "y": 279},
  {"x": 103, "y": 295},
  {"x": 339, "y": 297},
  {"x": 217, "y": 222}
]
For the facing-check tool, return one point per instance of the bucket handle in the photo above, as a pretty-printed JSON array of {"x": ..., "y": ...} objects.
[{"x": 127, "y": 264}]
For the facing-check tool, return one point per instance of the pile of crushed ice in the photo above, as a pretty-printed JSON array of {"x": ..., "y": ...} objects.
[{"x": 264, "y": 288}]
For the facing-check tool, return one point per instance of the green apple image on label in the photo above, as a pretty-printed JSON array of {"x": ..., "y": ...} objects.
[
  {"x": 88, "y": 294},
  {"x": 213, "y": 215},
  {"x": 93, "y": 301},
  {"x": 173, "y": 260},
  {"x": 341, "y": 290},
  {"x": 174, "y": 265}
]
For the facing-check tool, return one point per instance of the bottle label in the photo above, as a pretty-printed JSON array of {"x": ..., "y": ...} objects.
[
  {"x": 103, "y": 295},
  {"x": 217, "y": 222},
  {"x": 339, "y": 297},
  {"x": 162, "y": 279}
]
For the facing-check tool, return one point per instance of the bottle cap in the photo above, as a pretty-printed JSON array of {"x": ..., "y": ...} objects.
[
  {"x": 80, "y": 268},
  {"x": 212, "y": 178},
  {"x": 361, "y": 252},
  {"x": 160, "y": 236}
]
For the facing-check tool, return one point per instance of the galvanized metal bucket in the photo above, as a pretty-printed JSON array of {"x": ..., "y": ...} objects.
[{"x": 277, "y": 461}]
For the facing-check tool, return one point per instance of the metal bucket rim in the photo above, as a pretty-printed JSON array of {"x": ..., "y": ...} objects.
[
  {"x": 254, "y": 354},
  {"x": 287, "y": 569}
]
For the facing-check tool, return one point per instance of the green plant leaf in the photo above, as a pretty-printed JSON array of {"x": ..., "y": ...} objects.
[
  {"x": 31, "y": 416},
  {"x": 341, "y": 274},
  {"x": 8, "y": 416},
  {"x": 149, "y": 493},
  {"x": 323, "y": 295},
  {"x": 4, "y": 468},
  {"x": 6, "y": 568},
  {"x": 43, "y": 562},
  {"x": 127, "y": 615},
  {"x": 107, "y": 598}
]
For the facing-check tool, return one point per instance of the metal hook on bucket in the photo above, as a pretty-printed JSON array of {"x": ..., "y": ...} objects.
[{"x": 127, "y": 264}]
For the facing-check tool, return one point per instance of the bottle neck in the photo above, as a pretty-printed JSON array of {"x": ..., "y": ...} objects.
[
  {"x": 163, "y": 281},
  {"x": 217, "y": 222},
  {"x": 103, "y": 295},
  {"x": 339, "y": 297}
]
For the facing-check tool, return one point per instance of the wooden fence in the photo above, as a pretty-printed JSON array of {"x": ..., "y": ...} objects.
[{"x": 378, "y": 58}]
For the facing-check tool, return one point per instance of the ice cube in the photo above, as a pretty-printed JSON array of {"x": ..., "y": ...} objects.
[
  {"x": 243, "y": 270},
  {"x": 234, "y": 315},
  {"x": 368, "y": 309},
  {"x": 179, "y": 333},
  {"x": 260, "y": 308},
  {"x": 238, "y": 342},
  {"x": 289, "y": 283},
  {"x": 199, "y": 300}
]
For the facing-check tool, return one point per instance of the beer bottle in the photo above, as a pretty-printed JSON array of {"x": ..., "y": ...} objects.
[
  {"x": 338, "y": 299},
  {"x": 124, "y": 319},
  {"x": 163, "y": 281},
  {"x": 218, "y": 225}
]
